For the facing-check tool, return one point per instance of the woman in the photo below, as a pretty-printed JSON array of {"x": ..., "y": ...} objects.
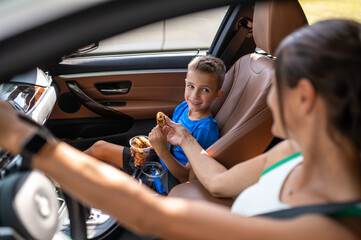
[{"x": 315, "y": 102}]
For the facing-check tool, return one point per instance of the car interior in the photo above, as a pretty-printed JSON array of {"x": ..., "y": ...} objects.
[
  {"x": 82, "y": 99},
  {"x": 242, "y": 114}
]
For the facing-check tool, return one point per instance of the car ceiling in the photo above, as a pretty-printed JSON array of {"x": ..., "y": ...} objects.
[
  {"x": 21, "y": 15},
  {"x": 48, "y": 42}
]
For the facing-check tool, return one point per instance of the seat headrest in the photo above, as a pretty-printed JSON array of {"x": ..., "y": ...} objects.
[{"x": 283, "y": 18}]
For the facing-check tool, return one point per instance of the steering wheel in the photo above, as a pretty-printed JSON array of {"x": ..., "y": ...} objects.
[{"x": 29, "y": 205}]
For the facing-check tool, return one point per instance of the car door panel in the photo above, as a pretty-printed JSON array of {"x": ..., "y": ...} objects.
[{"x": 149, "y": 92}]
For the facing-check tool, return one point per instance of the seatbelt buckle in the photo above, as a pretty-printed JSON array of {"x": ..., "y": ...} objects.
[{"x": 245, "y": 22}]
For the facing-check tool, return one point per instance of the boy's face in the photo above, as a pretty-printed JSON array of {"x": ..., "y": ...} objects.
[{"x": 201, "y": 90}]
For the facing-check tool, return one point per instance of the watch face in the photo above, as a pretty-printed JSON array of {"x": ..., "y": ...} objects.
[
  {"x": 35, "y": 143},
  {"x": 31, "y": 147}
]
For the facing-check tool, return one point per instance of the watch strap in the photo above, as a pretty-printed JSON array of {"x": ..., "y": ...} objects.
[{"x": 34, "y": 143}]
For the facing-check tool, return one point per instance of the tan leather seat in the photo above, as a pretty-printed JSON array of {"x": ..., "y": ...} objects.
[{"x": 243, "y": 116}]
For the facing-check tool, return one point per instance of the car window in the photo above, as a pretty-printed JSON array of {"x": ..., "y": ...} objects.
[
  {"x": 189, "y": 32},
  {"x": 317, "y": 10}
]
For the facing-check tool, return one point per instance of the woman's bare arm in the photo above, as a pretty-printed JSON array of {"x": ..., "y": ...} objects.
[
  {"x": 232, "y": 182},
  {"x": 218, "y": 180},
  {"x": 104, "y": 187},
  {"x": 136, "y": 206}
]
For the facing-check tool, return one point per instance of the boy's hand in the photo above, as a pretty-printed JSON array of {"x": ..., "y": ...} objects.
[
  {"x": 157, "y": 139},
  {"x": 175, "y": 132}
]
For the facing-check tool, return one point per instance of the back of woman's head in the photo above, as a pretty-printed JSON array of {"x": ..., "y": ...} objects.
[{"x": 328, "y": 53}]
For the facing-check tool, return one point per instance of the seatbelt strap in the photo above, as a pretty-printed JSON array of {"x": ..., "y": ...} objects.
[
  {"x": 244, "y": 28},
  {"x": 325, "y": 209}
]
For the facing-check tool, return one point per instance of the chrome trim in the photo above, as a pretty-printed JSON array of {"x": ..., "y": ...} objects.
[
  {"x": 112, "y": 73},
  {"x": 85, "y": 58},
  {"x": 120, "y": 90}
]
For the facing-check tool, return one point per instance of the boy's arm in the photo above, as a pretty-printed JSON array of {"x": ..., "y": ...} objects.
[
  {"x": 180, "y": 171},
  {"x": 159, "y": 143}
]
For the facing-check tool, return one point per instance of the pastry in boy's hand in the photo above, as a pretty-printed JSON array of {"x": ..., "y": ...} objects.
[{"x": 161, "y": 119}]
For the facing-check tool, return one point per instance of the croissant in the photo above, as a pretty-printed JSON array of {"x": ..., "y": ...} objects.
[{"x": 161, "y": 119}]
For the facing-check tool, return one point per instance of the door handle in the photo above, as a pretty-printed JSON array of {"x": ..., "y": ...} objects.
[
  {"x": 118, "y": 90},
  {"x": 114, "y": 88},
  {"x": 93, "y": 105}
]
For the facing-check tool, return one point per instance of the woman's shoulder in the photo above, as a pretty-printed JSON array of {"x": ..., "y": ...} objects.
[{"x": 280, "y": 152}]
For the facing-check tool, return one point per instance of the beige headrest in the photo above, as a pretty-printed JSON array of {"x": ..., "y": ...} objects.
[{"x": 274, "y": 20}]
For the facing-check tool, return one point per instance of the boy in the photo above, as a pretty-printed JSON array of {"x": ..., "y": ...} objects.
[{"x": 205, "y": 77}]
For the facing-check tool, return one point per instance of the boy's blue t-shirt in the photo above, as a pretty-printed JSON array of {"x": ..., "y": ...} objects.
[{"x": 205, "y": 131}]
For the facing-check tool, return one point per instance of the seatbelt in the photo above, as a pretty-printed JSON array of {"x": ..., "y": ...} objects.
[
  {"x": 244, "y": 28},
  {"x": 325, "y": 209}
]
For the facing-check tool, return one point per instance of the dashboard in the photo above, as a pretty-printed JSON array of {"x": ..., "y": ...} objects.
[{"x": 34, "y": 94}]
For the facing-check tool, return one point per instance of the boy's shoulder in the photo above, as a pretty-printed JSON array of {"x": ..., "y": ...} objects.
[
  {"x": 180, "y": 109},
  {"x": 182, "y": 105},
  {"x": 206, "y": 123}
]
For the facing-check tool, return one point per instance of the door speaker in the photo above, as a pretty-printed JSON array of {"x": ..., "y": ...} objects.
[{"x": 68, "y": 103}]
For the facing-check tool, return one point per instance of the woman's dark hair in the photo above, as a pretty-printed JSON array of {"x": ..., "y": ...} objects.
[{"x": 327, "y": 53}]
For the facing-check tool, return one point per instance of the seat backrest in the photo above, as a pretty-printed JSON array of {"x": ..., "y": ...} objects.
[{"x": 243, "y": 117}]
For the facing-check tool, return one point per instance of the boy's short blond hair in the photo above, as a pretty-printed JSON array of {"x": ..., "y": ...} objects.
[{"x": 209, "y": 64}]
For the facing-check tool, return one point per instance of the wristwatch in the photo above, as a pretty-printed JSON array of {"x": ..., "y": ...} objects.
[{"x": 34, "y": 143}]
